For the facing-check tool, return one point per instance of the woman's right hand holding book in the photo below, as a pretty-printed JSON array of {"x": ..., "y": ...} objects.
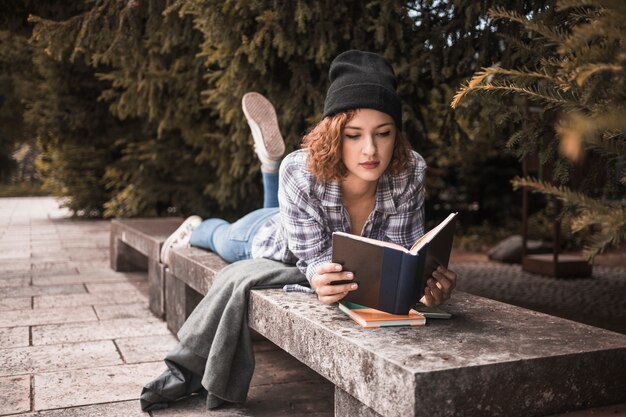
[{"x": 322, "y": 283}]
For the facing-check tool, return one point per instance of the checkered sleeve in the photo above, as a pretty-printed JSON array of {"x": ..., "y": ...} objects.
[
  {"x": 306, "y": 231},
  {"x": 407, "y": 224}
]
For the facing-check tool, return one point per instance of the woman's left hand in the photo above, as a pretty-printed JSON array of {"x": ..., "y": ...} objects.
[{"x": 439, "y": 287}]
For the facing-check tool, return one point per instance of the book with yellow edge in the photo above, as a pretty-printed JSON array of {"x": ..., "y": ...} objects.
[
  {"x": 390, "y": 277},
  {"x": 369, "y": 317}
]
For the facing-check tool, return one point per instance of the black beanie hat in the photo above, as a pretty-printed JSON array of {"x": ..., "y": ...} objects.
[{"x": 362, "y": 80}]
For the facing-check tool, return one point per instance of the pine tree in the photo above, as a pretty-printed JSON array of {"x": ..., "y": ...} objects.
[
  {"x": 578, "y": 84},
  {"x": 150, "y": 82},
  {"x": 173, "y": 75},
  {"x": 15, "y": 56}
]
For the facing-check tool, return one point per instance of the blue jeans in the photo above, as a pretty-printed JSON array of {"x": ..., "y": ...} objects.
[{"x": 233, "y": 241}]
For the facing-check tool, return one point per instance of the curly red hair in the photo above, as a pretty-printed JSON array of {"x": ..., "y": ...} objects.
[{"x": 324, "y": 141}]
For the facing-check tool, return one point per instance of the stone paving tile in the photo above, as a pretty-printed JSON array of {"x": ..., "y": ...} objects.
[
  {"x": 14, "y": 254},
  {"x": 95, "y": 385},
  {"x": 11, "y": 337},
  {"x": 55, "y": 272},
  {"x": 118, "y": 409},
  {"x": 14, "y": 394},
  {"x": 90, "y": 277},
  {"x": 13, "y": 292},
  {"x": 15, "y": 281},
  {"x": 13, "y": 265},
  {"x": 87, "y": 252},
  {"x": 70, "y": 300},
  {"x": 92, "y": 263},
  {"x": 16, "y": 237},
  {"x": 34, "y": 359},
  {"x": 106, "y": 270},
  {"x": 108, "y": 329},
  {"x": 52, "y": 265},
  {"x": 47, "y": 316},
  {"x": 43, "y": 250},
  {"x": 146, "y": 349},
  {"x": 20, "y": 303},
  {"x": 49, "y": 244},
  {"x": 123, "y": 311},
  {"x": 14, "y": 251},
  {"x": 50, "y": 258},
  {"x": 308, "y": 398},
  {"x": 117, "y": 287},
  {"x": 96, "y": 243}
]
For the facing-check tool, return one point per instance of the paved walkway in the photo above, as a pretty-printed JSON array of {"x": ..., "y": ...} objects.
[{"x": 77, "y": 339}]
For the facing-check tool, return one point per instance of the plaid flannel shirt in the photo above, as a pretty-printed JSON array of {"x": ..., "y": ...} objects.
[{"x": 310, "y": 212}]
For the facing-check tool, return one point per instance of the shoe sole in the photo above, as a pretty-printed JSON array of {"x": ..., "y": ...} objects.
[
  {"x": 170, "y": 239},
  {"x": 259, "y": 110}
]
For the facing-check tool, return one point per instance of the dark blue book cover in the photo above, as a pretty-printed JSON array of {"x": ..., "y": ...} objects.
[{"x": 392, "y": 278}]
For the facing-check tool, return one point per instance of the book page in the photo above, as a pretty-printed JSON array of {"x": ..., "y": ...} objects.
[
  {"x": 373, "y": 241},
  {"x": 419, "y": 244}
]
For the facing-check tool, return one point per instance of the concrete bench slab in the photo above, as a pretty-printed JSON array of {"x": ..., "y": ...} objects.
[
  {"x": 491, "y": 359},
  {"x": 135, "y": 244}
]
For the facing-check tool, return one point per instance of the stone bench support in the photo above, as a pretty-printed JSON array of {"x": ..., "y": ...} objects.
[{"x": 135, "y": 244}]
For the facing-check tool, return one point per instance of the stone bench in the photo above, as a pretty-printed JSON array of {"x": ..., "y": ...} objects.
[
  {"x": 135, "y": 244},
  {"x": 491, "y": 359}
]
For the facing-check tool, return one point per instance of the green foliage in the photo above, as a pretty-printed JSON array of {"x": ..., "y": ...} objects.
[
  {"x": 578, "y": 87},
  {"x": 172, "y": 74},
  {"x": 14, "y": 59},
  {"x": 606, "y": 218},
  {"x": 149, "y": 81},
  {"x": 22, "y": 189}
]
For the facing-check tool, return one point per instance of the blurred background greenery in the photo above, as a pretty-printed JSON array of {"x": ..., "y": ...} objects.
[{"x": 132, "y": 108}]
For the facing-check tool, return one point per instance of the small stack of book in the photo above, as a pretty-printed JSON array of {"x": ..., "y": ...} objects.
[{"x": 369, "y": 317}]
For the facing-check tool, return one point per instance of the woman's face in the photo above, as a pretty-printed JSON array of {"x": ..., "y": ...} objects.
[{"x": 367, "y": 144}]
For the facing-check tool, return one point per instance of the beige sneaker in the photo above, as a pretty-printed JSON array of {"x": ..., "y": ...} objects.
[
  {"x": 268, "y": 143},
  {"x": 180, "y": 238}
]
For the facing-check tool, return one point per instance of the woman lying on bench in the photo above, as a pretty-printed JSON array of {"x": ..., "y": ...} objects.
[{"x": 355, "y": 173}]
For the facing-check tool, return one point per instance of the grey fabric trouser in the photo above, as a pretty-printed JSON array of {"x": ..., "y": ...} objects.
[{"x": 215, "y": 351}]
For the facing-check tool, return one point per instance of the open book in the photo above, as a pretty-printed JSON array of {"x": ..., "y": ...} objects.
[{"x": 391, "y": 278}]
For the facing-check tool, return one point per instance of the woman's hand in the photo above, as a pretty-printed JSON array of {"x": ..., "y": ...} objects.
[
  {"x": 439, "y": 287},
  {"x": 321, "y": 283}
]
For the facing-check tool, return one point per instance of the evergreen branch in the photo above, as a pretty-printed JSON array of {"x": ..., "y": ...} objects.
[
  {"x": 485, "y": 75},
  {"x": 610, "y": 145},
  {"x": 50, "y": 34},
  {"x": 551, "y": 34},
  {"x": 520, "y": 74},
  {"x": 562, "y": 193},
  {"x": 552, "y": 99},
  {"x": 476, "y": 80},
  {"x": 612, "y": 232},
  {"x": 609, "y": 218},
  {"x": 563, "y": 5},
  {"x": 520, "y": 45},
  {"x": 586, "y": 71},
  {"x": 607, "y": 25}
]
